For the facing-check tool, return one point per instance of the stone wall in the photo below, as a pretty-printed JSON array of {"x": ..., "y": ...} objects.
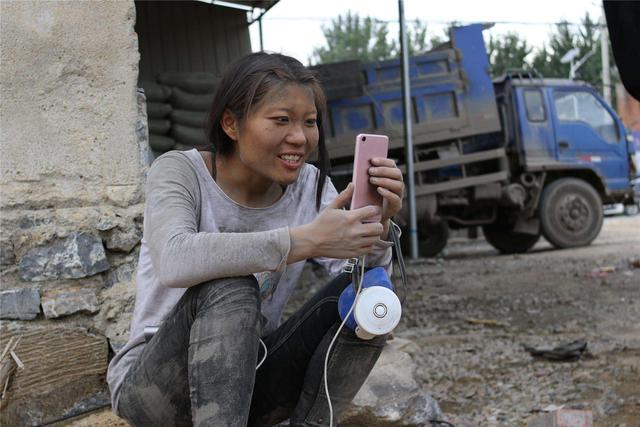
[{"x": 73, "y": 153}]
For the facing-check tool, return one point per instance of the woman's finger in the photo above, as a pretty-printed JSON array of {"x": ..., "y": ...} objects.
[
  {"x": 394, "y": 201},
  {"x": 383, "y": 161},
  {"x": 386, "y": 172},
  {"x": 370, "y": 230},
  {"x": 392, "y": 185}
]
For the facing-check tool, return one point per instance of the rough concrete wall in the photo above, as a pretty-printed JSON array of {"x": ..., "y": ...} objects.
[
  {"x": 68, "y": 90},
  {"x": 73, "y": 153}
]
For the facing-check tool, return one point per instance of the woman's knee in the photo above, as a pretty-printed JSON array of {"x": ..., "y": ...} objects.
[{"x": 228, "y": 295}]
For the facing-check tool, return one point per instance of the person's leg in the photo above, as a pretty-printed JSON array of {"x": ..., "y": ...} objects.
[
  {"x": 289, "y": 384},
  {"x": 349, "y": 365},
  {"x": 199, "y": 368}
]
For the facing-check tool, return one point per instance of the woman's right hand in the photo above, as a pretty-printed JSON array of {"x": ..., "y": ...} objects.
[{"x": 336, "y": 233}]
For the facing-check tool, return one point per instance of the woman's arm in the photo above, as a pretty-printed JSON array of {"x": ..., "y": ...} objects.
[{"x": 181, "y": 255}]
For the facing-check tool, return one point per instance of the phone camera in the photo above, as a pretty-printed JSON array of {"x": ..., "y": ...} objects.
[{"x": 364, "y": 138}]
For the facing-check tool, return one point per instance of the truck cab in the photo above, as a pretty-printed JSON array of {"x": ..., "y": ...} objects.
[
  {"x": 568, "y": 153},
  {"x": 566, "y": 126}
]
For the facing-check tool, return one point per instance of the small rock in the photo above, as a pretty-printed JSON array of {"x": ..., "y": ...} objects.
[
  {"x": 123, "y": 240},
  {"x": 391, "y": 395},
  {"x": 7, "y": 256},
  {"x": 20, "y": 304},
  {"x": 123, "y": 273},
  {"x": 106, "y": 223},
  {"x": 63, "y": 302},
  {"x": 114, "y": 318},
  {"x": 75, "y": 256}
]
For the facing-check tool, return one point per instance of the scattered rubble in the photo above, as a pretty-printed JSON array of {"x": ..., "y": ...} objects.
[
  {"x": 568, "y": 351},
  {"x": 391, "y": 395}
]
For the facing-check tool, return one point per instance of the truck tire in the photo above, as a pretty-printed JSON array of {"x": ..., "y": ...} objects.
[
  {"x": 432, "y": 238},
  {"x": 570, "y": 213},
  {"x": 501, "y": 236},
  {"x": 631, "y": 210}
]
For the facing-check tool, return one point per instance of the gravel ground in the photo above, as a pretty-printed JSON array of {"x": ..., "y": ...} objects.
[{"x": 480, "y": 372}]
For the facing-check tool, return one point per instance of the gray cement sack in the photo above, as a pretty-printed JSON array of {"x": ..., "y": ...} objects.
[
  {"x": 159, "y": 126},
  {"x": 158, "y": 110},
  {"x": 188, "y": 135},
  {"x": 196, "y": 119},
  {"x": 181, "y": 100},
  {"x": 196, "y": 83},
  {"x": 155, "y": 92},
  {"x": 161, "y": 143}
]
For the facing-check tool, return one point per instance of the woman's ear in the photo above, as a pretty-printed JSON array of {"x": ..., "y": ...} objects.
[{"x": 229, "y": 125}]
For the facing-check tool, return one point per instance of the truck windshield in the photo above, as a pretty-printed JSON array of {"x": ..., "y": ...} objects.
[{"x": 581, "y": 106}]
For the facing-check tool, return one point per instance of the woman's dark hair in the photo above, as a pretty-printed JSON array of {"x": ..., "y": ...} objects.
[{"x": 246, "y": 82}]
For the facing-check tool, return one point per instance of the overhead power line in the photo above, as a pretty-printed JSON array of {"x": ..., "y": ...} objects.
[{"x": 437, "y": 22}]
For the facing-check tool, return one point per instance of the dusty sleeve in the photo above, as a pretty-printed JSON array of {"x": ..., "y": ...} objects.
[{"x": 180, "y": 254}]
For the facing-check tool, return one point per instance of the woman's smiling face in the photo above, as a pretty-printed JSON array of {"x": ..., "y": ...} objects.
[{"x": 277, "y": 136}]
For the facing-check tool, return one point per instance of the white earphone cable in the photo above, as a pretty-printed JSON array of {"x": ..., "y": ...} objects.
[
  {"x": 265, "y": 354},
  {"x": 326, "y": 358}
]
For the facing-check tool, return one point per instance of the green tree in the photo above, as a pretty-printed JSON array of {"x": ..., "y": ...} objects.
[
  {"x": 417, "y": 38},
  {"x": 353, "y": 37},
  {"x": 585, "y": 37},
  {"x": 507, "y": 52},
  {"x": 547, "y": 59}
]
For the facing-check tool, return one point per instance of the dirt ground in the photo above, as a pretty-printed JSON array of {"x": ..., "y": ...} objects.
[{"x": 470, "y": 312}]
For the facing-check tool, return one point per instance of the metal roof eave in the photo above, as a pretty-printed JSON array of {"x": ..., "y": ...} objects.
[{"x": 246, "y": 5}]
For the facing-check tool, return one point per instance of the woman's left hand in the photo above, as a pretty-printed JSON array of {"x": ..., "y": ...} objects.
[{"x": 386, "y": 176}]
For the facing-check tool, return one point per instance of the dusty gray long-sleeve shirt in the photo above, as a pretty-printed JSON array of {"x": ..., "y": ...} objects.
[{"x": 193, "y": 233}]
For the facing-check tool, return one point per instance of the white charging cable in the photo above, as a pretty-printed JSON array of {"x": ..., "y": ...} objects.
[
  {"x": 326, "y": 358},
  {"x": 265, "y": 353}
]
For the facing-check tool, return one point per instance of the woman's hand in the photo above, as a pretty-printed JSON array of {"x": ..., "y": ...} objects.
[
  {"x": 336, "y": 233},
  {"x": 386, "y": 176}
]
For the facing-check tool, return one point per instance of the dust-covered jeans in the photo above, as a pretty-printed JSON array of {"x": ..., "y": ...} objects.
[{"x": 199, "y": 368}]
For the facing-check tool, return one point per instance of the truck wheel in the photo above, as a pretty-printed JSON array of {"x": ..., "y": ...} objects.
[
  {"x": 432, "y": 238},
  {"x": 570, "y": 213},
  {"x": 631, "y": 210},
  {"x": 501, "y": 236}
]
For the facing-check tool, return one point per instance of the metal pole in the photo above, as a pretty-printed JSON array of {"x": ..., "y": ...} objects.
[
  {"x": 606, "y": 71},
  {"x": 408, "y": 132},
  {"x": 260, "y": 31}
]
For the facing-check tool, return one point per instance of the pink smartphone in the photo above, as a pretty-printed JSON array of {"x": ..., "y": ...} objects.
[{"x": 367, "y": 147}]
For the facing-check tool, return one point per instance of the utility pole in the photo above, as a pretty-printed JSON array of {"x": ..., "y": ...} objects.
[
  {"x": 604, "y": 49},
  {"x": 260, "y": 31},
  {"x": 408, "y": 132}
]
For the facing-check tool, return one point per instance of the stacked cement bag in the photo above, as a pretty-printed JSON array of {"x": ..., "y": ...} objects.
[
  {"x": 191, "y": 98},
  {"x": 158, "y": 111}
]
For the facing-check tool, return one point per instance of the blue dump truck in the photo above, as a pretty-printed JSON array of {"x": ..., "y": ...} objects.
[{"x": 521, "y": 156}]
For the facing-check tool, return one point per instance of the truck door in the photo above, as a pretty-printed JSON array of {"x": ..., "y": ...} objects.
[
  {"x": 587, "y": 132},
  {"x": 537, "y": 144}
]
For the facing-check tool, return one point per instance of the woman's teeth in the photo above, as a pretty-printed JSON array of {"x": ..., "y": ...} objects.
[{"x": 290, "y": 158}]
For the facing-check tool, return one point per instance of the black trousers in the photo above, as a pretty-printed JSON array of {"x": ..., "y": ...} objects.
[{"x": 199, "y": 368}]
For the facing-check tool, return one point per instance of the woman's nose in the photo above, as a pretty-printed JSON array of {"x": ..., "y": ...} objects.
[{"x": 296, "y": 135}]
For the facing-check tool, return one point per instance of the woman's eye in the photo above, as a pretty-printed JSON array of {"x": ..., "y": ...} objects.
[
  {"x": 281, "y": 119},
  {"x": 311, "y": 122}
]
